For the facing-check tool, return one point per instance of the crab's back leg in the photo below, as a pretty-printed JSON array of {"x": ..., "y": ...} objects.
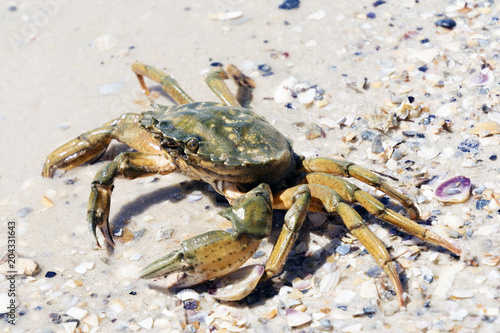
[
  {"x": 349, "y": 169},
  {"x": 298, "y": 202},
  {"x": 168, "y": 83},
  {"x": 125, "y": 165},
  {"x": 351, "y": 193},
  {"x": 215, "y": 80},
  {"x": 91, "y": 145},
  {"x": 324, "y": 198}
]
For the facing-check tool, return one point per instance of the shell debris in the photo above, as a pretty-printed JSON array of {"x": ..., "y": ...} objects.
[{"x": 456, "y": 189}]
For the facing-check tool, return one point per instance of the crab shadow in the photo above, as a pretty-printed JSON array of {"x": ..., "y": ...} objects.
[{"x": 173, "y": 193}]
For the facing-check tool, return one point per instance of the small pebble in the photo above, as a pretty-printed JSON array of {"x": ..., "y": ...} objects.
[
  {"x": 50, "y": 274},
  {"x": 376, "y": 146},
  {"x": 446, "y": 23},
  {"x": 289, "y": 4},
  {"x": 428, "y": 278},
  {"x": 54, "y": 317},
  {"x": 374, "y": 271},
  {"x": 258, "y": 254},
  {"x": 368, "y": 311},
  {"x": 368, "y": 135},
  {"x": 469, "y": 146},
  {"x": 481, "y": 203},
  {"x": 23, "y": 212},
  {"x": 378, "y": 3},
  {"x": 479, "y": 189},
  {"x": 163, "y": 234},
  {"x": 64, "y": 126},
  {"x": 326, "y": 325},
  {"x": 317, "y": 219},
  {"x": 343, "y": 249}
]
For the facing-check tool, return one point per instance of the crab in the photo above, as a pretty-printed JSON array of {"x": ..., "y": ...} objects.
[{"x": 245, "y": 159}]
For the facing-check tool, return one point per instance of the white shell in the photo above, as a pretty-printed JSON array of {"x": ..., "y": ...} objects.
[
  {"x": 188, "y": 294},
  {"x": 296, "y": 318},
  {"x": 329, "y": 281},
  {"x": 238, "y": 284}
]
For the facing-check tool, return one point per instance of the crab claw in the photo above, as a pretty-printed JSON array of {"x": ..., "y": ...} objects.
[
  {"x": 98, "y": 212},
  {"x": 202, "y": 258},
  {"x": 218, "y": 253}
]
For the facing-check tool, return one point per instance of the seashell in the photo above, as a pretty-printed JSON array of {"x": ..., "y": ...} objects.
[
  {"x": 270, "y": 314},
  {"x": 226, "y": 15},
  {"x": 188, "y": 295},
  {"x": 111, "y": 88},
  {"x": 486, "y": 77},
  {"x": 307, "y": 96},
  {"x": 486, "y": 128},
  {"x": 238, "y": 284},
  {"x": 296, "y": 318},
  {"x": 116, "y": 306},
  {"x": 76, "y": 313},
  {"x": 329, "y": 281},
  {"x": 283, "y": 93},
  {"x": 454, "y": 190},
  {"x": 300, "y": 284}
]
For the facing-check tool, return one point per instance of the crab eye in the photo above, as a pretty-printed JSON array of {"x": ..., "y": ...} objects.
[{"x": 192, "y": 145}]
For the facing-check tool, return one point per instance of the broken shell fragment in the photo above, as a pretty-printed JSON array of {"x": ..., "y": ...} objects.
[
  {"x": 456, "y": 189},
  {"x": 486, "y": 128},
  {"x": 296, "y": 318},
  {"x": 238, "y": 284}
]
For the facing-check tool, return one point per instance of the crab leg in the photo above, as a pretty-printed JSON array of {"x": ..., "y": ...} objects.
[
  {"x": 325, "y": 198},
  {"x": 91, "y": 145},
  {"x": 349, "y": 169},
  {"x": 297, "y": 205},
  {"x": 126, "y": 165},
  {"x": 168, "y": 83},
  {"x": 217, "y": 253},
  {"x": 215, "y": 80},
  {"x": 351, "y": 193}
]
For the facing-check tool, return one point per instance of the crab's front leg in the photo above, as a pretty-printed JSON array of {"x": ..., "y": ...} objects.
[
  {"x": 218, "y": 253},
  {"x": 125, "y": 165}
]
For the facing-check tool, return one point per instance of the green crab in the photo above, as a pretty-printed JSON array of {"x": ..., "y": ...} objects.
[{"x": 245, "y": 159}]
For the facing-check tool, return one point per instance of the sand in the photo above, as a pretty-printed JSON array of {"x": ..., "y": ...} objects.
[{"x": 66, "y": 70}]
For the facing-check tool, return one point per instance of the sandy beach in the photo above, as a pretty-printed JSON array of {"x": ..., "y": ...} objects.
[{"x": 407, "y": 89}]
